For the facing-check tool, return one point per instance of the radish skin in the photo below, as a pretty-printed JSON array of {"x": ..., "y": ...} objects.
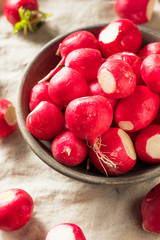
[
  {"x": 116, "y": 154},
  {"x": 138, "y": 110},
  {"x": 151, "y": 48},
  {"x": 119, "y": 36},
  {"x": 68, "y": 149}
]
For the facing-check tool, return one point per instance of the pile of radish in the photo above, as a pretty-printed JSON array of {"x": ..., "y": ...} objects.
[{"x": 101, "y": 102}]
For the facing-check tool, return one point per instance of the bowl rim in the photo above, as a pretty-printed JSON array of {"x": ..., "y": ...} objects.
[{"x": 36, "y": 145}]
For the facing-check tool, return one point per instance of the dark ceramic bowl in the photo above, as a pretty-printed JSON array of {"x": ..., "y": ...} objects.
[{"x": 37, "y": 69}]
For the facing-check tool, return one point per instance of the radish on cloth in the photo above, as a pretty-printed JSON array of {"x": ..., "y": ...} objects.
[
  {"x": 120, "y": 35},
  {"x": 138, "y": 110}
]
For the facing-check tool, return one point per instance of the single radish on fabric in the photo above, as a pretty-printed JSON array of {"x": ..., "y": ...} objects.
[
  {"x": 147, "y": 144},
  {"x": 138, "y": 110},
  {"x": 65, "y": 231},
  {"x": 137, "y": 13},
  {"x": 66, "y": 85},
  {"x": 86, "y": 61},
  {"x": 89, "y": 117},
  {"x": 133, "y": 60},
  {"x": 150, "y": 210},
  {"x": 120, "y": 35},
  {"x": 68, "y": 149},
  {"x": 16, "y": 208},
  {"x": 150, "y": 48},
  {"x": 116, "y": 78},
  {"x": 75, "y": 40},
  {"x": 95, "y": 89},
  {"x": 23, "y": 14},
  {"x": 38, "y": 94},
  {"x": 8, "y": 119},
  {"x": 45, "y": 121},
  {"x": 150, "y": 72},
  {"x": 116, "y": 154}
]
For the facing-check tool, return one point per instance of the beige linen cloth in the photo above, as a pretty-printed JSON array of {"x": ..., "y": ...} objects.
[{"x": 102, "y": 212}]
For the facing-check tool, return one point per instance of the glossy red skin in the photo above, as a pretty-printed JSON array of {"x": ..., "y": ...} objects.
[
  {"x": 77, "y": 231},
  {"x": 140, "y": 108},
  {"x": 150, "y": 72},
  {"x": 141, "y": 141},
  {"x": 11, "y": 8},
  {"x": 88, "y": 117},
  {"x": 68, "y": 149},
  {"x": 133, "y": 60},
  {"x": 67, "y": 85},
  {"x": 38, "y": 94},
  {"x": 95, "y": 89},
  {"x": 151, "y": 48},
  {"x": 45, "y": 121},
  {"x": 16, "y": 212},
  {"x": 5, "y": 129},
  {"x": 129, "y": 9},
  {"x": 150, "y": 210},
  {"x": 112, "y": 147},
  {"x": 86, "y": 61},
  {"x": 76, "y": 40},
  {"x": 129, "y": 39},
  {"x": 125, "y": 83}
]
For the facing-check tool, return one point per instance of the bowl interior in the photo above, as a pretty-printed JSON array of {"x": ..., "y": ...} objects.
[{"x": 37, "y": 69}]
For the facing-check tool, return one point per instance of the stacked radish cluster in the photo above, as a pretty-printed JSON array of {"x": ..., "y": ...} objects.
[{"x": 101, "y": 101}]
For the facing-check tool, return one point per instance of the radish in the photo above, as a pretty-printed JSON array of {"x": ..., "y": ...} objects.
[
  {"x": 133, "y": 60},
  {"x": 16, "y": 208},
  {"x": 116, "y": 154},
  {"x": 38, "y": 94},
  {"x": 75, "y": 40},
  {"x": 138, "y": 110},
  {"x": 151, "y": 48},
  {"x": 116, "y": 78},
  {"x": 68, "y": 149},
  {"x": 88, "y": 117},
  {"x": 8, "y": 119},
  {"x": 95, "y": 89},
  {"x": 66, "y": 85},
  {"x": 137, "y": 13},
  {"x": 86, "y": 61},
  {"x": 45, "y": 121},
  {"x": 23, "y": 14},
  {"x": 67, "y": 231},
  {"x": 150, "y": 72},
  {"x": 150, "y": 209},
  {"x": 147, "y": 144},
  {"x": 119, "y": 36}
]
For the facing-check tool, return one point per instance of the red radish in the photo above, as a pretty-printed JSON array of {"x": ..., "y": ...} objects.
[
  {"x": 116, "y": 154},
  {"x": 95, "y": 89},
  {"x": 151, "y": 48},
  {"x": 67, "y": 231},
  {"x": 150, "y": 72},
  {"x": 86, "y": 61},
  {"x": 88, "y": 117},
  {"x": 38, "y": 94},
  {"x": 67, "y": 85},
  {"x": 137, "y": 13},
  {"x": 68, "y": 149},
  {"x": 133, "y": 60},
  {"x": 116, "y": 78},
  {"x": 16, "y": 208},
  {"x": 119, "y": 36},
  {"x": 138, "y": 110},
  {"x": 147, "y": 144},
  {"x": 150, "y": 210},
  {"x": 45, "y": 121},
  {"x": 8, "y": 119},
  {"x": 75, "y": 40},
  {"x": 23, "y": 14}
]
